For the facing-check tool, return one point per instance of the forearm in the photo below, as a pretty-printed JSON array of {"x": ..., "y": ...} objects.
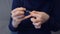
[
  {"x": 15, "y": 23},
  {"x": 11, "y": 27}
]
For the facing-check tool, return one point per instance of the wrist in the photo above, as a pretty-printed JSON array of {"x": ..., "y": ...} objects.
[{"x": 15, "y": 23}]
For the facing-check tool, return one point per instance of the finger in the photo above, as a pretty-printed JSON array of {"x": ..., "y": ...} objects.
[
  {"x": 39, "y": 20},
  {"x": 36, "y": 12},
  {"x": 39, "y": 23},
  {"x": 26, "y": 17},
  {"x": 33, "y": 12},
  {"x": 18, "y": 9},
  {"x": 36, "y": 15},
  {"x": 33, "y": 20},
  {"x": 18, "y": 13},
  {"x": 21, "y": 9},
  {"x": 20, "y": 17},
  {"x": 17, "y": 16},
  {"x": 43, "y": 15}
]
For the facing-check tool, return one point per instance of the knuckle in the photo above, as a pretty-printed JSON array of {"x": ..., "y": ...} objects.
[{"x": 20, "y": 9}]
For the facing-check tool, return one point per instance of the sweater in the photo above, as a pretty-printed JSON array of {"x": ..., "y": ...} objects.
[{"x": 26, "y": 26}]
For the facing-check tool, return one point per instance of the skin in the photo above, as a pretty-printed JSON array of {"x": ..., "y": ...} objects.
[
  {"x": 18, "y": 16},
  {"x": 41, "y": 17}
]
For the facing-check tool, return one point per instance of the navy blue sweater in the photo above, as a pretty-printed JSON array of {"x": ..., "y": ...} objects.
[{"x": 26, "y": 26}]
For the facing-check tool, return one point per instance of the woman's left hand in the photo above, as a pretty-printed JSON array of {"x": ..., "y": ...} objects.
[{"x": 38, "y": 18}]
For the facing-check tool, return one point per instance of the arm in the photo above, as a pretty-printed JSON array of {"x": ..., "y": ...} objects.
[
  {"x": 15, "y": 4},
  {"x": 54, "y": 20},
  {"x": 45, "y": 11}
]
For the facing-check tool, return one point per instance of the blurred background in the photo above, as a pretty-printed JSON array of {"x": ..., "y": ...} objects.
[{"x": 5, "y": 9}]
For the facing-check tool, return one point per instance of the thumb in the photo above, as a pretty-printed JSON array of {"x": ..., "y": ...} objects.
[{"x": 33, "y": 20}]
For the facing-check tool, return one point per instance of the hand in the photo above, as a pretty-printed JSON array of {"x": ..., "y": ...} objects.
[
  {"x": 40, "y": 17},
  {"x": 18, "y": 16}
]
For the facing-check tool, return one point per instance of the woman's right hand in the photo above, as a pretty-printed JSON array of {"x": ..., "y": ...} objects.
[{"x": 18, "y": 16}]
